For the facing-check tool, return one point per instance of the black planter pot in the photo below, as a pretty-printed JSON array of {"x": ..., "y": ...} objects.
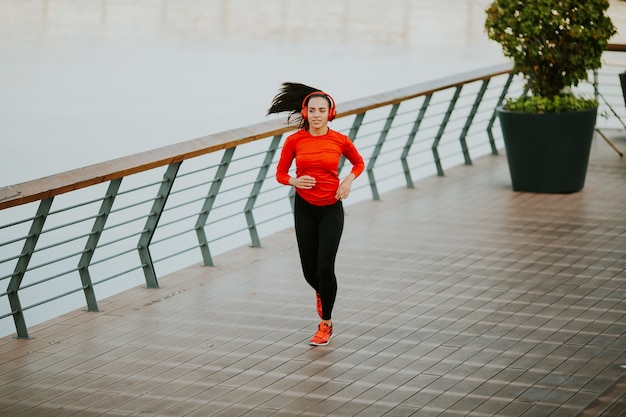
[
  {"x": 622, "y": 81},
  {"x": 548, "y": 153}
]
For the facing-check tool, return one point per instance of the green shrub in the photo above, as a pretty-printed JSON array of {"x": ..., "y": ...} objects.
[{"x": 553, "y": 43}]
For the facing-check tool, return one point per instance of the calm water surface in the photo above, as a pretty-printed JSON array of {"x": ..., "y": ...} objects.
[{"x": 84, "y": 81}]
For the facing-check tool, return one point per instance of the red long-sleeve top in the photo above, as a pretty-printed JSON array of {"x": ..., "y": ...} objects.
[{"x": 318, "y": 156}]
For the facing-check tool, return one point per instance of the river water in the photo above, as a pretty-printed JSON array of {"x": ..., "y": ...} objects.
[{"x": 84, "y": 81}]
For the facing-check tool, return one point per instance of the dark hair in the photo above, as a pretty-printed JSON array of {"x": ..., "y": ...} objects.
[{"x": 290, "y": 99}]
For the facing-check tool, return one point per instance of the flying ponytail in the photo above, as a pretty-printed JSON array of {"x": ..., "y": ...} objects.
[{"x": 289, "y": 99}]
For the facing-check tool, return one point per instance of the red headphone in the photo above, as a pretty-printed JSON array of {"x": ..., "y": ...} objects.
[{"x": 332, "y": 112}]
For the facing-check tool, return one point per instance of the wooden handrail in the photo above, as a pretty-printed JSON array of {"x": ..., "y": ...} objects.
[
  {"x": 421, "y": 89},
  {"x": 64, "y": 182},
  {"x": 34, "y": 190},
  {"x": 616, "y": 47}
]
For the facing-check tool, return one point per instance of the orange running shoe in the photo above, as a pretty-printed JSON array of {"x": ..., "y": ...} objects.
[
  {"x": 319, "y": 305},
  {"x": 323, "y": 335}
]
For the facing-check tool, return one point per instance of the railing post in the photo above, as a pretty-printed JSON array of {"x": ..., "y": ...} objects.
[
  {"x": 22, "y": 265},
  {"x": 470, "y": 119},
  {"x": 354, "y": 130},
  {"x": 208, "y": 205},
  {"x": 377, "y": 148},
  {"x": 256, "y": 189},
  {"x": 505, "y": 90},
  {"x": 151, "y": 224},
  {"x": 92, "y": 244},
  {"x": 411, "y": 139},
  {"x": 356, "y": 125},
  {"x": 442, "y": 128}
]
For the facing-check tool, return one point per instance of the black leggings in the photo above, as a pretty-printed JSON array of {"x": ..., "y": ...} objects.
[{"x": 318, "y": 232}]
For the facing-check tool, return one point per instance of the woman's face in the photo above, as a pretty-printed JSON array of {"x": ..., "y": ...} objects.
[{"x": 317, "y": 112}]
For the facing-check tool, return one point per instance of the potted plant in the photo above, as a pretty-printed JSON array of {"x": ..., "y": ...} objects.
[{"x": 553, "y": 44}]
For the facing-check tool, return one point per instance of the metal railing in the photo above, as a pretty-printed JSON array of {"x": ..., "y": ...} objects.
[{"x": 71, "y": 239}]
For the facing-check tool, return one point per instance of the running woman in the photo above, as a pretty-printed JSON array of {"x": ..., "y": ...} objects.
[{"x": 318, "y": 208}]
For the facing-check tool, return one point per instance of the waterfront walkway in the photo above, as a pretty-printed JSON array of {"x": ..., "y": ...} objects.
[{"x": 458, "y": 297}]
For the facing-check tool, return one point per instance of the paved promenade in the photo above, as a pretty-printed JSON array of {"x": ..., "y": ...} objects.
[{"x": 456, "y": 298}]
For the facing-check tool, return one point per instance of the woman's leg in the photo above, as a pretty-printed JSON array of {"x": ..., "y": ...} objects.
[
  {"x": 306, "y": 226},
  {"x": 330, "y": 230},
  {"x": 318, "y": 233}
]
